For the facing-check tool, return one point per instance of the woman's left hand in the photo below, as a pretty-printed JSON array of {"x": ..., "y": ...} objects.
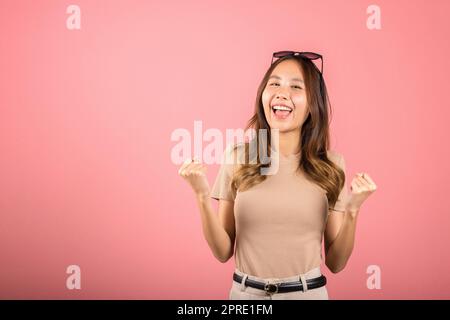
[{"x": 362, "y": 187}]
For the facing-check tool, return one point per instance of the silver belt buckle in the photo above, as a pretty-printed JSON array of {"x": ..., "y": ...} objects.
[{"x": 271, "y": 288}]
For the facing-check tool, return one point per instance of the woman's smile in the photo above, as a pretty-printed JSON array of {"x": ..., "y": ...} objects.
[{"x": 282, "y": 113}]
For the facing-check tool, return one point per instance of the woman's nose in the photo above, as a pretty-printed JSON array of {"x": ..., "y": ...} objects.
[{"x": 282, "y": 94}]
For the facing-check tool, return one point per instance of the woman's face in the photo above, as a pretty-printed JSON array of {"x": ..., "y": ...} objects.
[{"x": 284, "y": 97}]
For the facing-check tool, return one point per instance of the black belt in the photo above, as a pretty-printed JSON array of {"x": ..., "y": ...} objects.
[{"x": 271, "y": 288}]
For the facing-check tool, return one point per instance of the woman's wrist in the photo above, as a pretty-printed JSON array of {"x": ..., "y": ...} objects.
[
  {"x": 352, "y": 211},
  {"x": 202, "y": 196}
]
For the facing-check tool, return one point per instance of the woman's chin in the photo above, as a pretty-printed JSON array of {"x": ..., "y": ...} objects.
[{"x": 283, "y": 128}]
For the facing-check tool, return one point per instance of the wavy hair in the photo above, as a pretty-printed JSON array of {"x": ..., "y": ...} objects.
[{"x": 314, "y": 137}]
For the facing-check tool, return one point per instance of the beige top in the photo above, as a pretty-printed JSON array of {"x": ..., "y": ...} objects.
[{"x": 279, "y": 222}]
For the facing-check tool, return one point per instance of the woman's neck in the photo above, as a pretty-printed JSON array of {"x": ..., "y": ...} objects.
[{"x": 289, "y": 143}]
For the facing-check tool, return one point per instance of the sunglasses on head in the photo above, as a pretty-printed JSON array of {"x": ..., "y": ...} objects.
[{"x": 306, "y": 55}]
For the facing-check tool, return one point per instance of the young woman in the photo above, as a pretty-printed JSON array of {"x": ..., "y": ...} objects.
[{"x": 278, "y": 221}]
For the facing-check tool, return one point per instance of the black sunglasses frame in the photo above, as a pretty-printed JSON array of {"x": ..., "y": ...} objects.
[{"x": 306, "y": 55}]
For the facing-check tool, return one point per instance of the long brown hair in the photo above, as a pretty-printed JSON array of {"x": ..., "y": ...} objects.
[{"x": 314, "y": 137}]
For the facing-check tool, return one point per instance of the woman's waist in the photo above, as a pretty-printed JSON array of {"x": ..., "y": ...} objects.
[{"x": 311, "y": 273}]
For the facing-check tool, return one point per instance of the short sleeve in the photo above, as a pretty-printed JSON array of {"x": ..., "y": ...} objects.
[
  {"x": 221, "y": 188},
  {"x": 343, "y": 195}
]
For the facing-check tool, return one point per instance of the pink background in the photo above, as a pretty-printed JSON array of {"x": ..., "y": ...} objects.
[{"x": 86, "y": 118}]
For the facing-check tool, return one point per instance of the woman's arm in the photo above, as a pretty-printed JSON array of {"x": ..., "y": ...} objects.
[
  {"x": 339, "y": 239},
  {"x": 341, "y": 227},
  {"x": 218, "y": 230}
]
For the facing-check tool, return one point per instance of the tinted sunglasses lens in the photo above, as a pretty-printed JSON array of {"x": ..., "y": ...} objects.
[
  {"x": 281, "y": 54},
  {"x": 311, "y": 55}
]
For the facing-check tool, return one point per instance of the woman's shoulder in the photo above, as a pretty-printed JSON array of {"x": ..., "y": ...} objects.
[{"x": 234, "y": 153}]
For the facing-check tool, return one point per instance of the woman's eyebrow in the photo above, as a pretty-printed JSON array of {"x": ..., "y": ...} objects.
[{"x": 279, "y": 78}]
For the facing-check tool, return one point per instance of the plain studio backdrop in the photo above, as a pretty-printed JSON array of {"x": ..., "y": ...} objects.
[{"x": 86, "y": 117}]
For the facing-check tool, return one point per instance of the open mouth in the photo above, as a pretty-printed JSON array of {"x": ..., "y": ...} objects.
[{"x": 281, "y": 112}]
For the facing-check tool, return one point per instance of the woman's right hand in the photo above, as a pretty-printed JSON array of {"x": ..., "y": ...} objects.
[{"x": 195, "y": 174}]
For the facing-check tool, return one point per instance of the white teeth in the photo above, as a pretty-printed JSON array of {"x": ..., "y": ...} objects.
[{"x": 281, "y": 108}]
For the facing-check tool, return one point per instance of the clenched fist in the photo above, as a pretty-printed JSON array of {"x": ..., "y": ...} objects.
[
  {"x": 195, "y": 174},
  {"x": 362, "y": 187}
]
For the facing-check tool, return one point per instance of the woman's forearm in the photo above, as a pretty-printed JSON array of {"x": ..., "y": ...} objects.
[
  {"x": 218, "y": 239},
  {"x": 341, "y": 248}
]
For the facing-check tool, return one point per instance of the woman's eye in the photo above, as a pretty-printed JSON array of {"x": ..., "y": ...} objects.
[{"x": 277, "y": 84}]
